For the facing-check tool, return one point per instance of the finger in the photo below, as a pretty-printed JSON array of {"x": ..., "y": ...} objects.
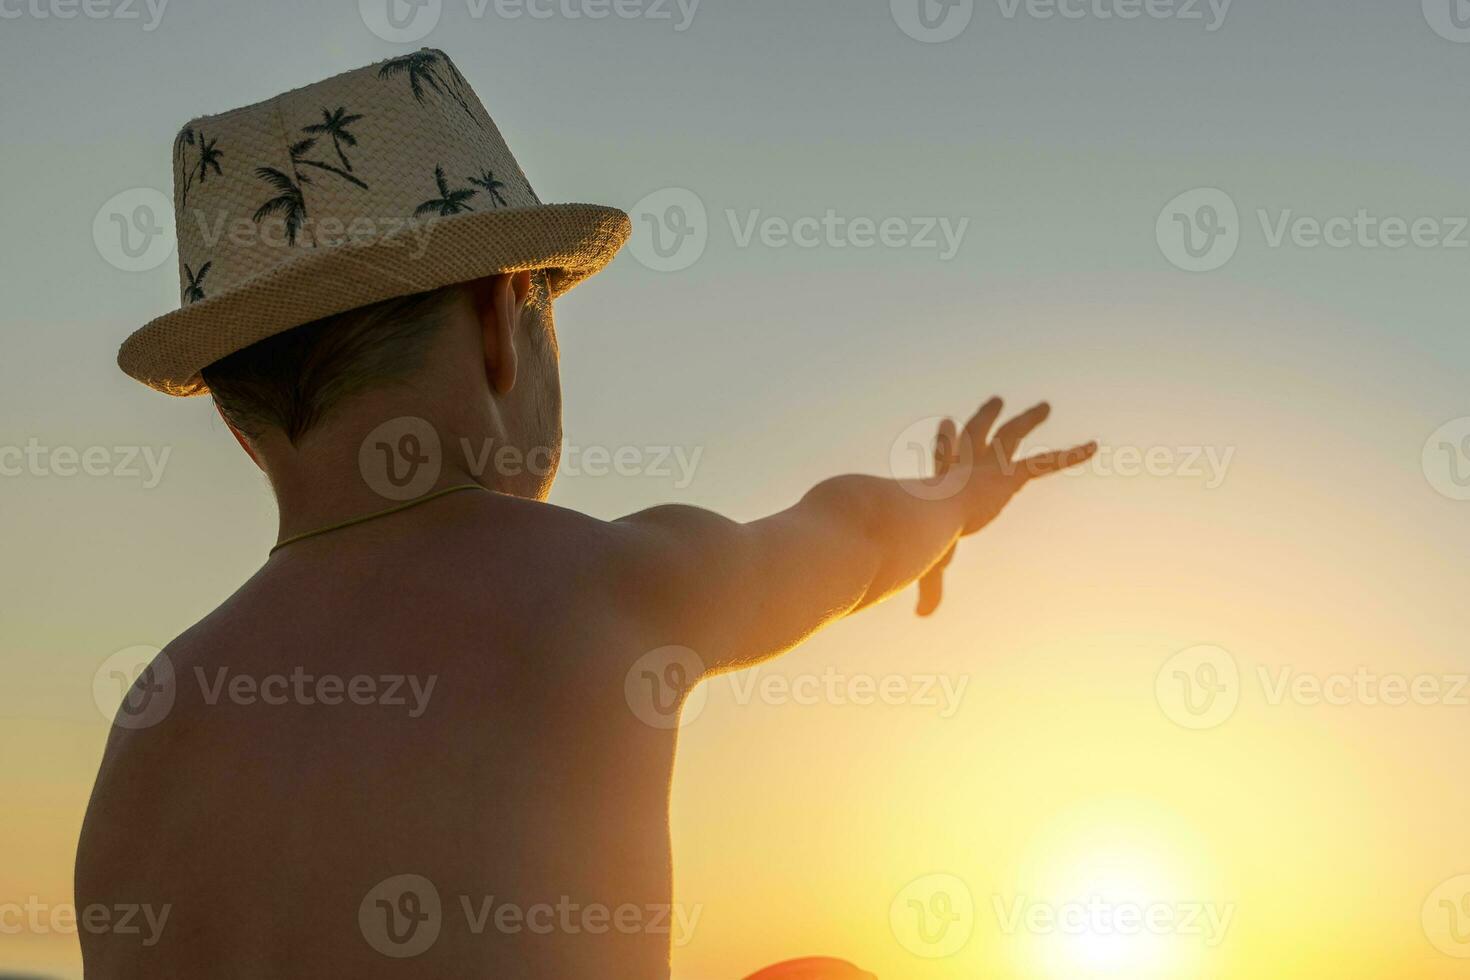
[
  {"x": 977, "y": 430},
  {"x": 931, "y": 586},
  {"x": 944, "y": 448},
  {"x": 1044, "y": 464},
  {"x": 1009, "y": 436},
  {"x": 931, "y": 591}
]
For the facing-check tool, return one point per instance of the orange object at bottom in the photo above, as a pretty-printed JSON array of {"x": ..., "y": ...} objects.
[{"x": 812, "y": 968}]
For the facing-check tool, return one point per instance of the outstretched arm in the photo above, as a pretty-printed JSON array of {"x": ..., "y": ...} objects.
[{"x": 740, "y": 593}]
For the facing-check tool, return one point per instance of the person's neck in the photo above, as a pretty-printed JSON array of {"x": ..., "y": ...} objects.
[{"x": 359, "y": 465}]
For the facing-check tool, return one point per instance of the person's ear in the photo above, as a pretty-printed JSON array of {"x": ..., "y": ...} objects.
[
  {"x": 240, "y": 438},
  {"x": 499, "y": 303}
]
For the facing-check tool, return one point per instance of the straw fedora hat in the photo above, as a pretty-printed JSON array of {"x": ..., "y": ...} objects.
[{"x": 377, "y": 183}]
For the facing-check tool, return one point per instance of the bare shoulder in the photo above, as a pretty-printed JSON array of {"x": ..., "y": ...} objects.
[{"x": 625, "y": 565}]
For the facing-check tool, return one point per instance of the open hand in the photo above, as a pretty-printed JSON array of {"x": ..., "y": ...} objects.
[{"x": 984, "y": 470}]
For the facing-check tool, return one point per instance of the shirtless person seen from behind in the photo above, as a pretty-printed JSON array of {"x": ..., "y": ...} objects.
[
  {"x": 412, "y": 744},
  {"x": 526, "y": 776}
]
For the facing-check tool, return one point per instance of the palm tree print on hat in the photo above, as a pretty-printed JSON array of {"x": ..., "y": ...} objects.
[
  {"x": 459, "y": 86},
  {"x": 489, "y": 183},
  {"x": 449, "y": 201},
  {"x": 186, "y": 174},
  {"x": 423, "y": 69},
  {"x": 288, "y": 202},
  {"x": 208, "y": 157},
  {"x": 334, "y": 125},
  {"x": 298, "y": 160},
  {"x": 195, "y": 291}
]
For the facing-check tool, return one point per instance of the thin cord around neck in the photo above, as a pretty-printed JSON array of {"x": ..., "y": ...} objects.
[{"x": 382, "y": 513}]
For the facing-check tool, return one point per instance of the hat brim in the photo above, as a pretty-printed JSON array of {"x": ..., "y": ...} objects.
[{"x": 570, "y": 241}]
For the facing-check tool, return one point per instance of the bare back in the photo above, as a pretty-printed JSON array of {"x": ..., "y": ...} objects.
[
  {"x": 401, "y": 749},
  {"x": 482, "y": 789}
]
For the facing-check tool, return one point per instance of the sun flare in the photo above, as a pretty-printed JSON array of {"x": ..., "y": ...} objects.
[{"x": 1122, "y": 909}]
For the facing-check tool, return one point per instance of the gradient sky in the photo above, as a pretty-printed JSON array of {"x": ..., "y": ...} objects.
[{"x": 1324, "y": 547}]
